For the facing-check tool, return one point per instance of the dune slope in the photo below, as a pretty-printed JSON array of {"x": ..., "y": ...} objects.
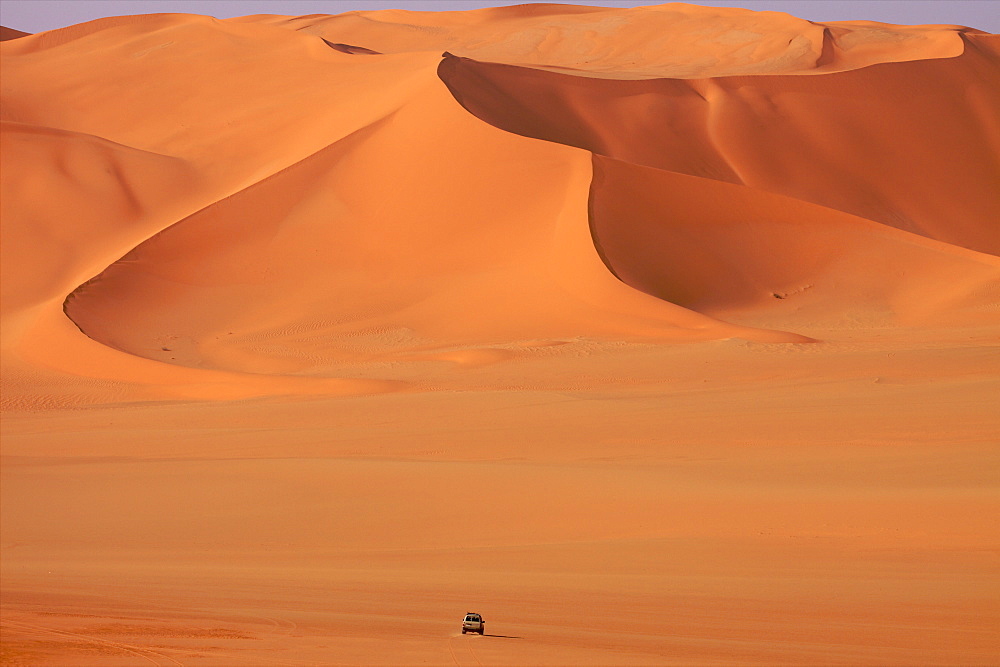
[
  {"x": 727, "y": 249},
  {"x": 853, "y": 141},
  {"x": 306, "y": 270}
]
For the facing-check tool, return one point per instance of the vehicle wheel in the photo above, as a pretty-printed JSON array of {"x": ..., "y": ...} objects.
[
  {"x": 463, "y": 631},
  {"x": 482, "y": 631}
]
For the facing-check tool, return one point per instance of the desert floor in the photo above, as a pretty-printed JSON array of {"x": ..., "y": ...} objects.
[{"x": 601, "y": 503}]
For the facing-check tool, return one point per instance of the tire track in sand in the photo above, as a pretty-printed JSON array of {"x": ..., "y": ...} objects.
[
  {"x": 454, "y": 656},
  {"x": 149, "y": 655}
]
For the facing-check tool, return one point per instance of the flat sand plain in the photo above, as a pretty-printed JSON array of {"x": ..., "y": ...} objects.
[{"x": 657, "y": 336}]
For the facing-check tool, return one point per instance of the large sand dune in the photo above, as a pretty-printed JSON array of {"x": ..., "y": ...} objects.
[{"x": 658, "y": 336}]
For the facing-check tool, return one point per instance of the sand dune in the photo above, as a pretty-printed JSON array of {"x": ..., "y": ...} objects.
[
  {"x": 658, "y": 336},
  {"x": 866, "y": 149},
  {"x": 682, "y": 243},
  {"x": 669, "y": 40},
  {"x": 493, "y": 219}
]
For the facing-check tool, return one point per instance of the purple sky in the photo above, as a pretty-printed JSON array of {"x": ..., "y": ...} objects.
[{"x": 39, "y": 15}]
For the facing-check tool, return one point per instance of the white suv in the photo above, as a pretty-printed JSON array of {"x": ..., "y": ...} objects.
[{"x": 473, "y": 623}]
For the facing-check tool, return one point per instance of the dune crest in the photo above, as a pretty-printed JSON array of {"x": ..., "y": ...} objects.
[{"x": 671, "y": 40}]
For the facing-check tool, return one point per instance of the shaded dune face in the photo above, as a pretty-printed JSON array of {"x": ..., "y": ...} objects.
[
  {"x": 10, "y": 33},
  {"x": 367, "y": 200},
  {"x": 910, "y": 145},
  {"x": 786, "y": 200},
  {"x": 109, "y": 198},
  {"x": 739, "y": 253}
]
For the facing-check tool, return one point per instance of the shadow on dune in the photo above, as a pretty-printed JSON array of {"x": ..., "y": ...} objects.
[
  {"x": 351, "y": 49},
  {"x": 11, "y": 33},
  {"x": 805, "y": 197},
  {"x": 851, "y": 141}
]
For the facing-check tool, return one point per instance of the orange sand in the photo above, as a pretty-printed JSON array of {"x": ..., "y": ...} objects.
[{"x": 657, "y": 336}]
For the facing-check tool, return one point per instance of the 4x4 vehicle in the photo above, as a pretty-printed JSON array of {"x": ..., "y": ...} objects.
[{"x": 473, "y": 623}]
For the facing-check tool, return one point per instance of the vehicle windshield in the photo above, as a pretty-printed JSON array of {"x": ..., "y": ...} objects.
[{"x": 472, "y": 618}]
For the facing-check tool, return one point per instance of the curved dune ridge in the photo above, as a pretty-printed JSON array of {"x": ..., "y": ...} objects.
[
  {"x": 875, "y": 142},
  {"x": 347, "y": 198},
  {"x": 670, "y": 40}
]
